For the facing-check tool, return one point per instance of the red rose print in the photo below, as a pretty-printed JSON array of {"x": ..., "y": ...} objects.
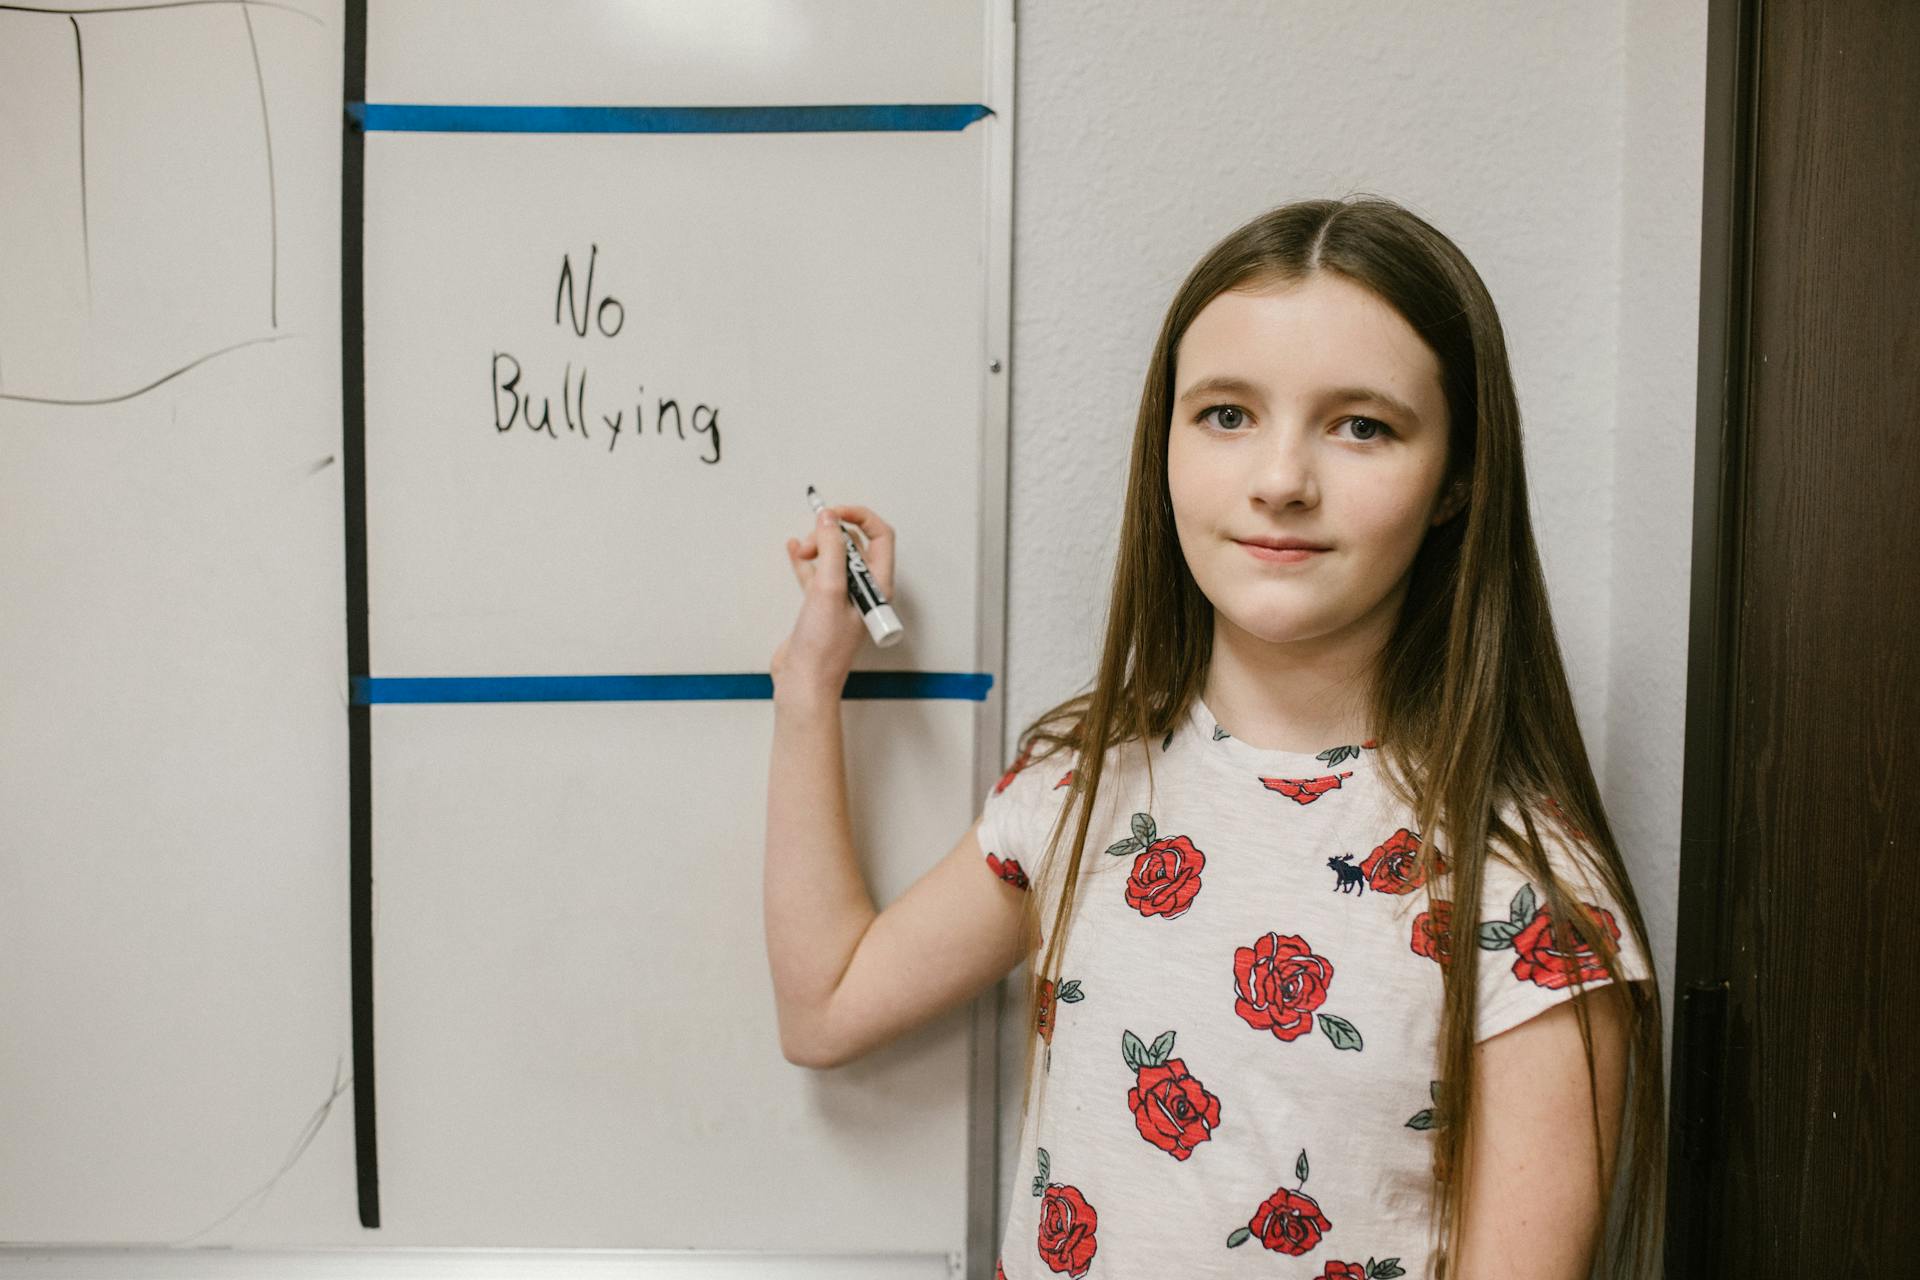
[
  {"x": 1286, "y": 1221},
  {"x": 1166, "y": 872},
  {"x": 1067, "y": 1224},
  {"x": 1171, "y": 1109},
  {"x": 1305, "y": 790},
  {"x": 1392, "y": 866},
  {"x": 1370, "y": 743},
  {"x": 1433, "y": 932},
  {"x": 1066, "y": 779},
  {"x": 1541, "y": 958},
  {"x": 1343, "y": 1271},
  {"x": 1289, "y": 1222},
  {"x": 1007, "y": 869},
  {"x": 1278, "y": 983},
  {"x": 999, "y": 1272},
  {"x": 1165, "y": 878},
  {"x": 1025, "y": 757},
  {"x": 1067, "y": 993}
]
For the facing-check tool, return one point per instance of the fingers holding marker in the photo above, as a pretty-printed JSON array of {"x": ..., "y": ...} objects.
[
  {"x": 867, "y": 570},
  {"x": 801, "y": 556},
  {"x": 798, "y": 551},
  {"x": 829, "y": 556},
  {"x": 870, "y": 525},
  {"x": 807, "y": 549},
  {"x": 878, "y": 539}
]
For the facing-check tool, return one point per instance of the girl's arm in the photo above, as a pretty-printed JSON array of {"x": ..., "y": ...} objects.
[
  {"x": 815, "y": 901},
  {"x": 847, "y": 978},
  {"x": 1530, "y": 1203}
]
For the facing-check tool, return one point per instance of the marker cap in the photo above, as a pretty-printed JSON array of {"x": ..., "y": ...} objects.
[{"x": 883, "y": 625}]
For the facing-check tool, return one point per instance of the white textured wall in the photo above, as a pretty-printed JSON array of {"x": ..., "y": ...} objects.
[
  {"x": 1653, "y": 432},
  {"x": 1559, "y": 145}
]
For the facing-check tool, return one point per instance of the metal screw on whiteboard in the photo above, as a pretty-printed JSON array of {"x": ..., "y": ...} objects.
[{"x": 994, "y": 367}]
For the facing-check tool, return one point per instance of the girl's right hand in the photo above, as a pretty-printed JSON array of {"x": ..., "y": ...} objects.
[{"x": 829, "y": 632}]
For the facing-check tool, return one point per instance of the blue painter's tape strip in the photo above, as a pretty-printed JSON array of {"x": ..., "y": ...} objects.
[
  {"x": 370, "y": 690},
  {"x": 413, "y": 117}
]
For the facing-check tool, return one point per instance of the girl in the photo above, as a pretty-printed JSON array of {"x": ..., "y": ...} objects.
[{"x": 1329, "y": 714}]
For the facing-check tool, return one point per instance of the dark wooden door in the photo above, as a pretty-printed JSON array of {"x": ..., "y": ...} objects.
[{"x": 1796, "y": 1074}]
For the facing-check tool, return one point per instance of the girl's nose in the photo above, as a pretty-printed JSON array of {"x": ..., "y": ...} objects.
[{"x": 1285, "y": 473}]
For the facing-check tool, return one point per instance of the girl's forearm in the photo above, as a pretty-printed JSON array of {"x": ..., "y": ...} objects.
[{"x": 816, "y": 903}]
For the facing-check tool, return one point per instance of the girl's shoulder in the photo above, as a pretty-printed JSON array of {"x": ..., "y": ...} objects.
[
  {"x": 1537, "y": 819},
  {"x": 1027, "y": 803},
  {"x": 1019, "y": 809},
  {"x": 1531, "y": 957}
]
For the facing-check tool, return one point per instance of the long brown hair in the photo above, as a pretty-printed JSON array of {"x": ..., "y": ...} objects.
[{"x": 1469, "y": 701}]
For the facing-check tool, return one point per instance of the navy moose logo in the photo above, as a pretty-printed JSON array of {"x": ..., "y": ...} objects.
[{"x": 1350, "y": 875}]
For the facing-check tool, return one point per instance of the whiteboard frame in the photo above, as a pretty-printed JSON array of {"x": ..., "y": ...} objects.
[
  {"x": 990, "y": 641},
  {"x": 354, "y": 1263},
  {"x": 983, "y": 1155}
]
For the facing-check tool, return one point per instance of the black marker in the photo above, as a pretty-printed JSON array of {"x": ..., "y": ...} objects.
[{"x": 882, "y": 625}]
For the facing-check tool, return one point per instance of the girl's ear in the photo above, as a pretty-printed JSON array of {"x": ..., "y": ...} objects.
[{"x": 1455, "y": 499}]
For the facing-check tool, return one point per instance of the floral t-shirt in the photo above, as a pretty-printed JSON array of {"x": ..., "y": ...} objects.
[{"x": 1239, "y": 1050}]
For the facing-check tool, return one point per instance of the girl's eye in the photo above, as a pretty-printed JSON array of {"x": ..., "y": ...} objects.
[
  {"x": 1368, "y": 428},
  {"x": 1239, "y": 415}
]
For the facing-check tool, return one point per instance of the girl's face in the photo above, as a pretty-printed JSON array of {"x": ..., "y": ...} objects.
[{"x": 1308, "y": 412}]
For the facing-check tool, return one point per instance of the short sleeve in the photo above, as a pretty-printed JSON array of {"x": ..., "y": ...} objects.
[
  {"x": 1527, "y": 965},
  {"x": 1014, "y": 817}
]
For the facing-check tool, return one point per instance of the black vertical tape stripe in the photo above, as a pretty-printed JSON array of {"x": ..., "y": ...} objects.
[{"x": 353, "y": 441}]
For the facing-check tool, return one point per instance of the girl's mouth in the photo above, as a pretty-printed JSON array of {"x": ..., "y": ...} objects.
[{"x": 1281, "y": 555}]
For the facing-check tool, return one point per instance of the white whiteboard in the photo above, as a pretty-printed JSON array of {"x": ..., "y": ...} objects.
[
  {"x": 173, "y": 794},
  {"x": 576, "y": 1045}
]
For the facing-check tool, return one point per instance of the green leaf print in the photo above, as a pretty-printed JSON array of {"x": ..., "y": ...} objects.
[
  {"x": 1040, "y": 1179},
  {"x": 1138, "y": 1055},
  {"x": 1523, "y": 907},
  {"x": 1340, "y": 1031},
  {"x": 1497, "y": 935},
  {"x": 1121, "y": 848},
  {"x": 1429, "y": 1118},
  {"x": 1239, "y": 1238},
  {"x": 1300, "y": 1166},
  {"x": 1069, "y": 992},
  {"x": 1385, "y": 1269},
  {"x": 1143, "y": 828}
]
